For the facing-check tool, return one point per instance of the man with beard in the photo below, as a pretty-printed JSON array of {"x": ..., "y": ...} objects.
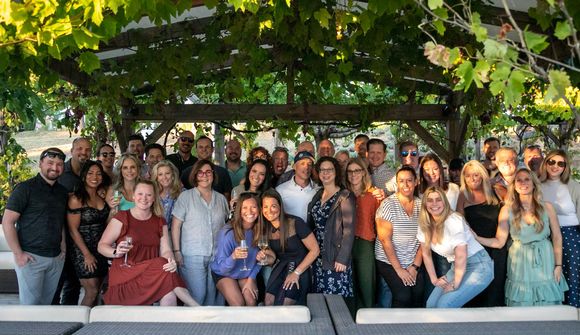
[
  {"x": 280, "y": 163},
  {"x": 490, "y": 147},
  {"x": 80, "y": 153},
  {"x": 325, "y": 149},
  {"x": 33, "y": 225},
  {"x": 183, "y": 158},
  {"x": 360, "y": 146},
  {"x": 506, "y": 160},
  {"x": 235, "y": 166},
  {"x": 298, "y": 191}
]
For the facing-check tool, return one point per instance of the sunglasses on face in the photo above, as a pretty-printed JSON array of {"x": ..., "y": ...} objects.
[
  {"x": 561, "y": 164},
  {"x": 108, "y": 154},
  {"x": 407, "y": 153},
  {"x": 52, "y": 154},
  {"x": 186, "y": 139}
]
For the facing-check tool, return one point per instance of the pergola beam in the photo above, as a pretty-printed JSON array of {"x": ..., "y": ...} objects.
[{"x": 289, "y": 112}]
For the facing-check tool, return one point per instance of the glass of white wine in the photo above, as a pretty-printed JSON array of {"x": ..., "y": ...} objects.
[
  {"x": 263, "y": 245},
  {"x": 244, "y": 247},
  {"x": 129, "y": 241}
]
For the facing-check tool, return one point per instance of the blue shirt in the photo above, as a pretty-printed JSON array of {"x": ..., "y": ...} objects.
[{"x": 223, "y": 263}]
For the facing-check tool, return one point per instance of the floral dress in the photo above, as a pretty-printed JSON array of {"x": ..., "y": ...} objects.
[{"x": 328, "y": 281}]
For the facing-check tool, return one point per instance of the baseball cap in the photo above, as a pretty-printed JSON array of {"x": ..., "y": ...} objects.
[{"x": 302, "y": 155}]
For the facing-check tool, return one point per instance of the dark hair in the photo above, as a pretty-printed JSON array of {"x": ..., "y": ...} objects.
[
  {"x": 81, "y": 191},
  {"x": 456, "y": 164},
  {"x": 236, "y": 221},
  {"x": 102, "y": 146},
  {"x": 285, "y": 221},
  {"x": 78, "y": 139},
  {"x": 410, "y": 169},
  {"x": 361, "y": 136},
  {"x": 252, "y": 152},
  {"x": 491, "y": 139},
  {"x": 281, "y": 149},
  {"x": 337, "y": 169},
  {"x": 268, "y": 177},
  {"x": 423, "y": 184},
  {"x": 203, "y": 137},
  {"x": 197, "y": 167},
  {"x": 155, "y": 146},
  {"x": 374, "y": 141},
  {"x": 52, "y": 151},
  {"x": 136, "y": 137}
]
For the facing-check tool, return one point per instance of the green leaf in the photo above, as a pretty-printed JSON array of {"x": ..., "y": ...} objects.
[
  {"x": 481, "y": 71},
  {"x": 499, "y": 79},
  {"x": 345, "y": 67},
  {"x": 441, "y": 13},
  {"x": 378, "y": 6},
  {"x": 4, "y": 60},
  {"x": 479, "y": 31},
  {"x": 88, "y": 62},
  {"x": 492, "y": 49},
  {"x": 559, "y": 81},
  {"x": 435, "y": 4},
  {"x": 54, "y": 51},
  {"x": 97, "y": 16},
  {"x": 322, "y": 16},
  {"x": 535, "y": 42},
  {"x": 439, "y": 26},
  {"x": 465, "y": 74},
  {"x": 514, "y": 88},
  {"x": 563, "y": 30},
  {"x": 365, "y": 21}
]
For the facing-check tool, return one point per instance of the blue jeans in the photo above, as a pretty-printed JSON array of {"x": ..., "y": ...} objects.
[
  {"x": 197, "y": 275},
  {"x": 478, "y": 275},
  {"x": 37, "y": 280}
]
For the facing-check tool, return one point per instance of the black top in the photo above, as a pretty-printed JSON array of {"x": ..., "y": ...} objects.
[
  {"x": 294, "y": 249},
  {"x": 482, "y": 218},
  {"x": 42, "y": 209},
  {"x": 223, "y": 185},
  {"x": 68, "y": 178},
  {"x": 179, "y": 163}
]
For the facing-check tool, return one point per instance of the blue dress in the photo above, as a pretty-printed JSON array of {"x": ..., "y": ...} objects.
[
  {"x": 530, "y": 267},
  {"x": 328, "y": 281}
]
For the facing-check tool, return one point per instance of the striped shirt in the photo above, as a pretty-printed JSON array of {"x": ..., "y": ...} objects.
[{"x": 405, "y": 229}]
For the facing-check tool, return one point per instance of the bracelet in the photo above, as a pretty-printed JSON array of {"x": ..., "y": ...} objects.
[
  {"x": 297, "y": 272},
  {"x": 413, "y": 265},
  {"x": 176, "y": 250},
  {"x": 557, "y": 265}
]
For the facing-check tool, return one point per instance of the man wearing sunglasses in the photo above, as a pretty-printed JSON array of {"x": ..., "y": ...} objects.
[
  {"x": 183, "y": 158},
  {"x": 409, "y": 155},
  {"x": 33, "y": 226}
]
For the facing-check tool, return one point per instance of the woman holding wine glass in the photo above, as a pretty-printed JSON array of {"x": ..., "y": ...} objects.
[
  {"x": 120, "y": 195},
  {"x": 198, "y": 215},
  {"x": 150, "y": 274},
  {"x": 257, "y": 180},
  {"x": 295, "y": 247},
  {"x": 235, "y": 267}
]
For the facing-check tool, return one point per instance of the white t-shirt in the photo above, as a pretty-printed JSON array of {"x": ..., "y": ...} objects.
[
  {"x": 296, "y": 198},
  {"x": 455, "y": 233},
  {"x": 557, "y": 193},
  {"x": 452, "y": 195}
]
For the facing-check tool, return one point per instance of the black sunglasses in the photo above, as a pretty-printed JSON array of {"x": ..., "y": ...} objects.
[
  {"x": 406, "y": 153},
  {"x": 186, "y": 139},
  {"x": 53, "y": 154},
  {"x": 560, "y": 163},
  {"x": 108, "y": 154}
]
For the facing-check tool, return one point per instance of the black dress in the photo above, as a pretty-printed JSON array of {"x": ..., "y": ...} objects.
[
  {"x": 91, "y": 228},
  {"x": 292, "y": 255},
  {"x": 482, "y": 218}
]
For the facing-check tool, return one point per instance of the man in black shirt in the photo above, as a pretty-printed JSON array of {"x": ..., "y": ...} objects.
[
  {"x": 183, "y": 158},
  {"x": 33, "y": 225}
]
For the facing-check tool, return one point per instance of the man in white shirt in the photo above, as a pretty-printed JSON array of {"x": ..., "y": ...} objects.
[{"x": 298, "y": 192}]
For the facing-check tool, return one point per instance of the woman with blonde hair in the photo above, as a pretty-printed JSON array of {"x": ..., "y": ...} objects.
[
  {"x": 446, "y": 232},
  {"x": 358, "y": 181},
  {"x": 478, "y": 203},
  {"x": 534, "y": 266},
  {"x": 120, "y": 195},
  {"x": 564, "y": 194},
  {"x": 165, "y": 175}
]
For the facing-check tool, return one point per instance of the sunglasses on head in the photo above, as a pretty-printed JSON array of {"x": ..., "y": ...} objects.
[
  {"x": 53, "y": 154},
  {"x": 186, "y": 139},
  {"x": 407, "y": 153},
  {"x": 108, "y": 154},
  {"x": 560, "y": 164}
]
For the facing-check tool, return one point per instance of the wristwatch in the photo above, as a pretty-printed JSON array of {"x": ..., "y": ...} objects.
[
  {"x": 115, "y": 253},
  {"x": 413, "y": 265}
]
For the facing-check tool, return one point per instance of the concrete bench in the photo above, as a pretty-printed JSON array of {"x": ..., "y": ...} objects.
[
  {"x": 8, "y": 280},
  {"x": 42, "y": 320}
]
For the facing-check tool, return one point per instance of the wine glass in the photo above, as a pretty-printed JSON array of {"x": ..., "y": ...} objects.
[
  {"x": 263, "y": 245},
  {"x": 129, "y": 241},
  {"x": 244, "y": 247},
  {"x": 117, "y": 198}
]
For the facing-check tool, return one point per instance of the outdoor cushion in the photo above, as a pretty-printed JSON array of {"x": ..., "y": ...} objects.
[
  {"x": 202, "y": 314},
  {"x": 485, "y": 314},
  {"x": 44, "y": 313},
  {"x": 6, "y": 256}
]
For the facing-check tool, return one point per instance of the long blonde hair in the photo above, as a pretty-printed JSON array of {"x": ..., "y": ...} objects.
[
  {"x": 120, "y": 182},
  {"x": 515, "y": 204},
  {"x": 490, "y": 198},
  {"x": 431, "y": 228},
  {"x": 175, "y": 183}
]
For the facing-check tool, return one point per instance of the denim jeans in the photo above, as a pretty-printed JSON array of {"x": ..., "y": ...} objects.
[
  {"x": 478, "y": 275},
  {"x": 197, "y": 275},
  {"x": 37, "y": 280}
]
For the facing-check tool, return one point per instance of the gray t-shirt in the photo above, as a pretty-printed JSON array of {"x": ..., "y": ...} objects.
[{"x": 201, "y": 221}]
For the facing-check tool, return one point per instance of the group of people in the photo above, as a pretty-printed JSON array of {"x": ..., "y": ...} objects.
[{"x": 180, "y": 228}]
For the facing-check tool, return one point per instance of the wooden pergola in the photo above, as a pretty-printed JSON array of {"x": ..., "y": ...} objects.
[{"x": 194, "y": 22}]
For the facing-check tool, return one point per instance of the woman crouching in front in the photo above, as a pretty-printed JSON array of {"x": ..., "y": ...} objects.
[{"x": 447, "y": 233}]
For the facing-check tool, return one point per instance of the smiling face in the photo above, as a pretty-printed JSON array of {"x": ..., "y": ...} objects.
[
  {"x": 136, "y": 148},
  {"x": 473, "y": 179},
  {"x": 280, "y": 162},
  {"x": 94, "y": 177},
  {"x": 204, "y": 148},
  {"x": 360, "y": 146},
  {"x": 435, "y": 204},
  {"x": 155, "y": 156},
  {"x": 164, "y": 176},
  {"x": 406, "y": 183},
  {"x": 325, "y": 149},
  {"x": 257, "y": 175},
  {"x": 412, "y": 157},
  {"x": 327, "y": 173},
  {"x": 81, "y": 151},
  {"x": 303, "y": 169},
  {"x": 249, "y": 213},
  {"x": 431, "y": 173},
  {"x": 554, "y": 171},
  {"x": 51, "y": 168},
  {"x": 144, "y": 196},
  {"x": 185, "y": 142},
  {"x": 506, "y": 162},
  {"x": 355, "y": 174},
  {"x": 129, "y": 170},
  {"x": 205, "y": 177},
  {"x": 376, "y": 155},
  {"x": 109, "y": 160},
  {"x": 271, "y": 209},
  {"x": 524, "y": 184},
  {"x": 233, "y": 151}
]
